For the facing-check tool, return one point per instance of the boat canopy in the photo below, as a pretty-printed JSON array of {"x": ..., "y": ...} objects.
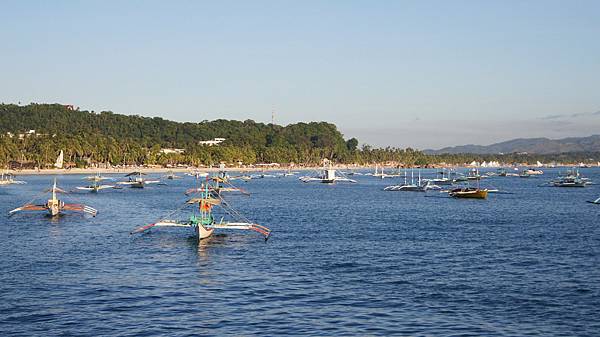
[{"x": 136, "y": 173}]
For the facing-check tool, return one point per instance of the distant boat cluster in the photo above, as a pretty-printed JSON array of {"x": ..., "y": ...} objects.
[{"x": 209, "y": 192}]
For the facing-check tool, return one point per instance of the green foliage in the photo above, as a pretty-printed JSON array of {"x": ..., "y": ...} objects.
[
  {"x": 88, "y": 137},
  {"x": 105, "y": 137}
]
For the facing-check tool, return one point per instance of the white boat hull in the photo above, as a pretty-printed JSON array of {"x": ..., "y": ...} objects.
[{"x": 203, "y": 232}]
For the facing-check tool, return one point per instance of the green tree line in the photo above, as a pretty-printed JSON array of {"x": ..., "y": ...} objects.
[{"x": 88, "y": 137}]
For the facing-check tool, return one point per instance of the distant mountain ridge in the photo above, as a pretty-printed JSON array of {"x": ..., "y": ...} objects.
[{"x": 528, "y": 145}]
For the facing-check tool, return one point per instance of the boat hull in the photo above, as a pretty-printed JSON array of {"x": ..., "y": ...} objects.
[
  {"x": 569, "y": 184},
  {"x": 475, "y": 194},
  {"x": 203, "y": 232}
]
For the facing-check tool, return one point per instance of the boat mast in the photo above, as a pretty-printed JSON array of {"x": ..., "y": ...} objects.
[{"x": 54, "y": 190}]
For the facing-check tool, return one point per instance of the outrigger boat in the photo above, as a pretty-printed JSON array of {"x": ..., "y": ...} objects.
[
  {"x": 406, "y": 187},
  {"x": 261, "y": 176},
  {"x": 287, "y": 173},
  {"x": 444, "y": 180},
  {"x": 95, "y": 186},
  {"x": 171, "y": 175},
  {"x": 202, "y": 222},
  {"x": 327, "y": 176},
  {"x": 9, "y": 179},
  {"x": 502, "y": 172},
  {"x": 136, "y": 180},
  {"x": 217, "y": 190},
  {"x": 572, "y": 178},
  {"x": 525, "y": 174},
  {"x": 197, "y": 174},
  {"x": 473, "y": 174},
  {"x": 382, "y": 174},
  {"x": 55, "y": 206}
]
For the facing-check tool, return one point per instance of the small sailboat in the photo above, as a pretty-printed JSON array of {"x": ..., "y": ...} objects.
[
  {"x": 60, "y": 160},
  {"x": 136, "y": 180},
  {"x": 202, "y": 221},
  {"x": 55, "y": 206},
  {"x": 95, "y": 185}
]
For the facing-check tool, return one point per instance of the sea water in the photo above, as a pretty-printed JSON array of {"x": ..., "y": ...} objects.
[{"x": 344, "y": 259}]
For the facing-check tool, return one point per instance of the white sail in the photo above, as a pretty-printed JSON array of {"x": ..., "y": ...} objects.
[{"x": 59, "y": 160}]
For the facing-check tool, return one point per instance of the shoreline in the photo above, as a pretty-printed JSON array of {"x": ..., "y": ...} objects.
[{"x": 153, "y": 170}]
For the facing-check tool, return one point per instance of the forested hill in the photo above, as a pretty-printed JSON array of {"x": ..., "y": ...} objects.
[
  {"x": 57, "y": 119},
  {"x": 109, "y": 137}
]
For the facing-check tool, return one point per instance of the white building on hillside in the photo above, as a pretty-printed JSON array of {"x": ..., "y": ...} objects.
[
  {"x": 170, "y": 151},
  {"x": 215, "y": 141}
]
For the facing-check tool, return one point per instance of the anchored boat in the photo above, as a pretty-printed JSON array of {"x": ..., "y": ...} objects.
[
  {"x": 469, "y": 192},
  {"x": 171, "y": 175},
  {"x": 408, "y": 187},
  {"x": 9, "y": 179},
  {"x": 531, "y": 171},
  {"x": 137, "y": 180},
  {"x": 202, "y": 221},
  {"x": 95, "y": 185},
  {"x": 221, "y": 185},
  {"x": 572, "y": 178},
  {"x": 473, "y": 174},
  {"x": 55, "y": 206},
  {"x": 444, "y": 180},
  {"x": 327, "y": 176}
]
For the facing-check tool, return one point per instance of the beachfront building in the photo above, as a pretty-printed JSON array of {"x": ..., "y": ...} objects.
[{"x": 215, "y": 141}]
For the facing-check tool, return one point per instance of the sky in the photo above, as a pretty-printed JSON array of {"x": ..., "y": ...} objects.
[{"x": 421, "y": 74}]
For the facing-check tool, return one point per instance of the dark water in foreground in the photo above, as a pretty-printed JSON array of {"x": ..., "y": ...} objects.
[{"x": 342, "y": 260}]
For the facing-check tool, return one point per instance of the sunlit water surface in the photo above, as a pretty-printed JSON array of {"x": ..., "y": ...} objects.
[{"x": 342, "y": 260}]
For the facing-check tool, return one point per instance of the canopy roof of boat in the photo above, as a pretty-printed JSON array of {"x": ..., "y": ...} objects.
[
  {"x": 211, "y": 201},
  {"x": 136, "y": 173}
]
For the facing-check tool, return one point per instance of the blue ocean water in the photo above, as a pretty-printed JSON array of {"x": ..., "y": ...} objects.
[{"x": 342, "y": 260}]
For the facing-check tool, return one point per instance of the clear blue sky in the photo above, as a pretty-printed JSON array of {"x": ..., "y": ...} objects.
[{"x": 403, "y": 73}]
